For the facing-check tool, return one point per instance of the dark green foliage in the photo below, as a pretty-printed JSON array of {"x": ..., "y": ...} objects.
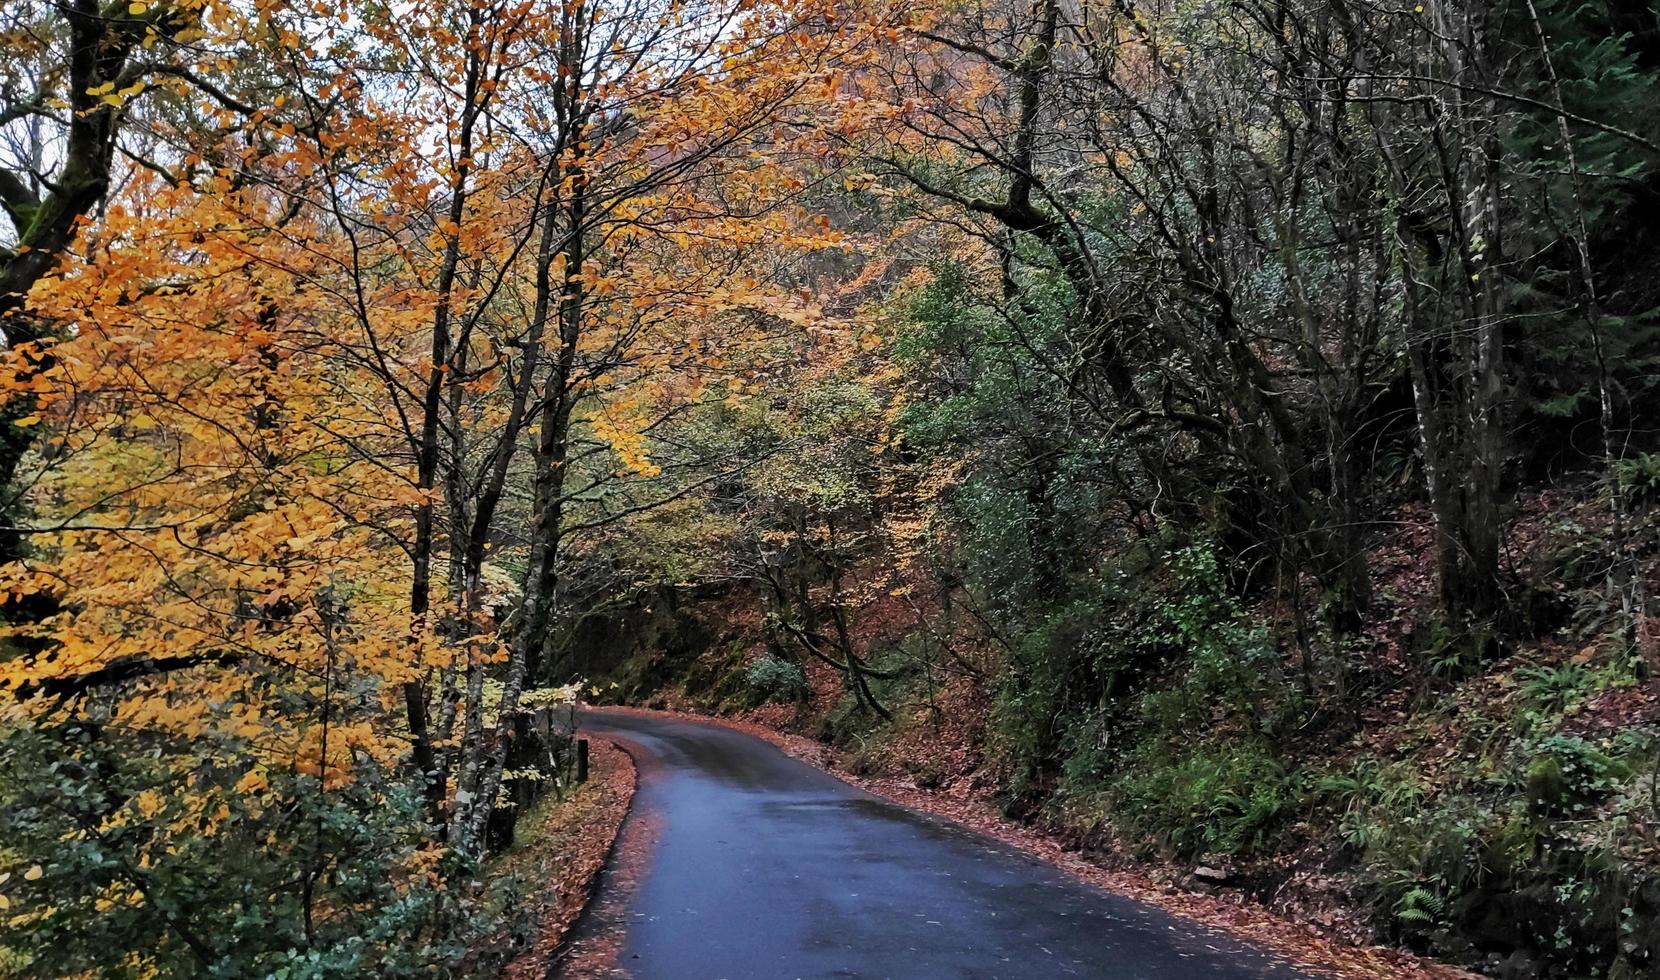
[
  {"x": 1640, "y": 479},
  {"x": 1132, "y": 673},
  {"x": 1551, "y": 688},
  {"x": 777, "y": 680},
  {"x": 1226, "y": 800},
  {"x": 1145, "y": 693},
  {"x": 283, "y": 881},
  {"x": 1565, "y": 772}
]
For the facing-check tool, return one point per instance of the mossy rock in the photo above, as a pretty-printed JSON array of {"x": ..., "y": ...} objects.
[
  {"x": 1547, "y": 785},
  {"x": 1514, "y": 846}
]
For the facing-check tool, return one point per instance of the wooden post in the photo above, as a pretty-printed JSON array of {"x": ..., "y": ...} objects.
[{"x": 581, "y": 760}]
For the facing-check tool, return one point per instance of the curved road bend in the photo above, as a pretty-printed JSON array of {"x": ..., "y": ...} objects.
[{"x": 755, "y": 866}]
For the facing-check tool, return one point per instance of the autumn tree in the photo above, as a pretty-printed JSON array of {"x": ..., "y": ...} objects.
[
  {"x": 295, "y": 356},
  {"x": 664, "y": 136},
  {"x": 92, "y": 94}
]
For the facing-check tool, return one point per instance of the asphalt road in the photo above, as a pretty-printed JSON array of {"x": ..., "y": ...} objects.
[{"x": 738, "y": 862}]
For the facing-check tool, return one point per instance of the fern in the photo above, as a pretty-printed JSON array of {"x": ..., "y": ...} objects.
[{"x": 1419, "y": 906}]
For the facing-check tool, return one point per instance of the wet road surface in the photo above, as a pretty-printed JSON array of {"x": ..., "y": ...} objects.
[{"x": 738, "y": 862}]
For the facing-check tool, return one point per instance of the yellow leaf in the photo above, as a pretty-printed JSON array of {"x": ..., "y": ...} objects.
[
  {"x": 34, "y": 873},
  {"x": 137, "y": 7}
]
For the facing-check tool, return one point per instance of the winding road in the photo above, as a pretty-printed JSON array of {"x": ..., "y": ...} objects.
[{"x": 738, "y": 862}]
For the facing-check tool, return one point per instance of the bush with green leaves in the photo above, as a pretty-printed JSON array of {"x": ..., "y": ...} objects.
[
  {"x": 1043, "y": 698},
  {"x": 1228, "y": 799},
  {"x": 1567, "y": 772},
  {"x": 1231, "y": 665},
  {"x": 776, "y": 680},
  {"x": 220, "y": 870},
  {"x": 1639, "y": 477}
]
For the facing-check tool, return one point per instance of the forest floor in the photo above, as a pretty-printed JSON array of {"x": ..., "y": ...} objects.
[
  {"x": 1230, "y": 911},
  {"x": 561, "y": 855}
]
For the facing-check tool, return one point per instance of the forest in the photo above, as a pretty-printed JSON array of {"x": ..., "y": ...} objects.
[{"x": 1217, "y": 434}]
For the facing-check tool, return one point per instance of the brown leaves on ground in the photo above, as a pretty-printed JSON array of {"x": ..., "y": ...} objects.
[{"x": 584, "y": 830}]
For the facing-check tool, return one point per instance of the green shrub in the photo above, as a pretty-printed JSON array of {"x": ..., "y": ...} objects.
[
  {"x": 1639, "y": 478},
  {"x": 1032, "y": 710},
  {"x": 1566, "y": 771},
  {"x": 282, "y": 880},
  {"x": 777, "y": 680},
  {"x": 1231, "y": 663},
  {"x": 1225, "y": 800},
  {"x": 1435, "y": 846}
]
